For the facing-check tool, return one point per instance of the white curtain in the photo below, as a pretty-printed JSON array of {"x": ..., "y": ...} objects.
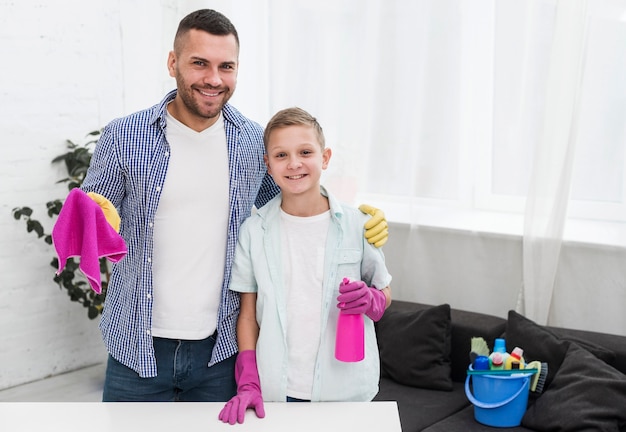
[
  {"x": 502, "y": 116},
  {"x": 550, "y": 181}
]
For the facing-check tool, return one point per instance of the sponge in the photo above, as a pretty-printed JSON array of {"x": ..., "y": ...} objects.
[
  {"x": 478, "y": 347},
  {"x": 538, "y": 380}
]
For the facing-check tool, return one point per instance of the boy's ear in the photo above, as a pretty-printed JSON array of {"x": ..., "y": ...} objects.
[
  {"x": 266, "y": 160},
  {"x": 326, "y": 154}
]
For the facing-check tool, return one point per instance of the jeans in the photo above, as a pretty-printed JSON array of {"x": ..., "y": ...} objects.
[
  {"x": 182, "y": 375},
  {"x": 293, "y": 399}
]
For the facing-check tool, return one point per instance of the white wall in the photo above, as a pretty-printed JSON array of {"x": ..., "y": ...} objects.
[
  {"x": 482, "y": 272},
  {"x": 68, "y": 67}
]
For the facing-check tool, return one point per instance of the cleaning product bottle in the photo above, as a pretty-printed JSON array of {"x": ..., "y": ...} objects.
[
  {"x": 481, "y": 363},
  {"x": 350, "y": 337},
  {"x": 499, "y": 348},
  {"x": 515, "y": 360},
  {"x": 496, "y": 361}
]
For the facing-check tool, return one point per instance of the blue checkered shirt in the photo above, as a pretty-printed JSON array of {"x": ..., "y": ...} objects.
[{"x": 128, "y": 167}]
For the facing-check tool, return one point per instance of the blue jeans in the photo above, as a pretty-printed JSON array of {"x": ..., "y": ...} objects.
[
  {"x": 293, "y": 399},
  {"x": 182, "y": 375}
]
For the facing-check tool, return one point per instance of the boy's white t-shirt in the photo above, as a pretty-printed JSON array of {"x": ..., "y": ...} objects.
[
  {"x": 303, "y": 250},
  {"x": 190, "y": 229}
]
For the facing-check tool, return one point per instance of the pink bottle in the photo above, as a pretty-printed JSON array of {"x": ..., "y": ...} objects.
[{"x": 350, "y": 339}]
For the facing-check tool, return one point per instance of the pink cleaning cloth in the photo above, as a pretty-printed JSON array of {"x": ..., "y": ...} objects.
[{"x": 83, "y": 231}]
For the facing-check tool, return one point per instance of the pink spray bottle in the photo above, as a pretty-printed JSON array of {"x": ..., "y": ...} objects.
[{"x": 350, "y": 338}]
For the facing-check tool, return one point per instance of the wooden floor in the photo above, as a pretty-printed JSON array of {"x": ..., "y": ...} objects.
[{"x": 83, "y": 385}]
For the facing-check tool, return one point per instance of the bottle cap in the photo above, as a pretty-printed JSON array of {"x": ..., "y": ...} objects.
[
  {"x": 517, "y": 353},
  {"x": 481, "y": 363},
  {"x": 499, "y": 345},
  {"x": 496, "y": 359}
]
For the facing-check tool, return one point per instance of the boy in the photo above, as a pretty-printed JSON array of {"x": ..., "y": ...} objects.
[{"x": 290, "y": 261}]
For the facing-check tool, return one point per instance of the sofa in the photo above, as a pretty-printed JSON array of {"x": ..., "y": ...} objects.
[{"x": 425, "y": 354}]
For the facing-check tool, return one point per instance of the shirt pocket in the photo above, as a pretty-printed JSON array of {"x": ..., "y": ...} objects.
[{"x": 349, "y": 264}]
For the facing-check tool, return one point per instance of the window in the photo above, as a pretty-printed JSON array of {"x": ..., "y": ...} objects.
[{"x": 434, "y": 110}]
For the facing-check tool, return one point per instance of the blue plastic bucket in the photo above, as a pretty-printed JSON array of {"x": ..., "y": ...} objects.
[{"x": 499, "y": 400}]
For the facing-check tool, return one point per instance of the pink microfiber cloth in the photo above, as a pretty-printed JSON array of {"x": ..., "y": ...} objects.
[{"x": 83, "y": 231}]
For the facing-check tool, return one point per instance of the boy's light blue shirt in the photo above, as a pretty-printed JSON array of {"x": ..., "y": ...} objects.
[{"x": 258, "y": 268}]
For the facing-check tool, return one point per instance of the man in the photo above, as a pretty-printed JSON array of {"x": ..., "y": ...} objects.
[{"x": 184, "y": 174}]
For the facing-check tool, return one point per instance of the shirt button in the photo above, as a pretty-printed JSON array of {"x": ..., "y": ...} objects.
[
  {"x": 148, "y": 332},
  {"x": 151, "y": 225},
  {"x": 167, "y": 154},
  {"x": 149, "y": 296},
  {"x": 149, "y": 259},
  {"x": 158, "y": 188}
]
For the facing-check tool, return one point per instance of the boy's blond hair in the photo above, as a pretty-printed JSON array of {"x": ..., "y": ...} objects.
[{"x": 293, "y": 117}]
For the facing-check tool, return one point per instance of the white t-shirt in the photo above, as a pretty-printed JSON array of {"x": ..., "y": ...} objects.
[
  {"x": 303, "y": 249},
  {"x": 190, "y": 230}
]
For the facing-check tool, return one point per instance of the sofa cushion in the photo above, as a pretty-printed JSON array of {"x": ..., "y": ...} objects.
[
  {"x": 614, "y": 345},
  {"x": 539, "y": 343},
  {"x": 585, "y": 394},
  {"x": 419, "y": 408},
  {"x": 415, "y": 346}
]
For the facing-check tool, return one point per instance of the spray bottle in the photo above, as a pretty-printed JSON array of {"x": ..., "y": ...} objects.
[{"x": 350, "y": 338}]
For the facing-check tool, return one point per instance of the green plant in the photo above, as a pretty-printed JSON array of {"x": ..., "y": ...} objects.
[{"x": 76, "y": 161}]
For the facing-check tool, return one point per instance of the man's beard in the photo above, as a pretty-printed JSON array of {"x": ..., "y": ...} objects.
[{"x": 190, "y": 100}]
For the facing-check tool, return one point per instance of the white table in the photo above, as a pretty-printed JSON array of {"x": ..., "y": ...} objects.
[{"x": 190, "y": 417}]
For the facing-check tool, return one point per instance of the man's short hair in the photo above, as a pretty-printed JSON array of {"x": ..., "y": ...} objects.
[{"x": 207, "y": 20}]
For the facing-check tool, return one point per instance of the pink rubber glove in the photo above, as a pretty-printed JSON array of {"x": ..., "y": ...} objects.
[
  {"x": 356, "y": 298},
  {"x": 248, "y": 390}
]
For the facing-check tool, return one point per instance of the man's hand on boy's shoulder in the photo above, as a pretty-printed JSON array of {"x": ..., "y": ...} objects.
[{"x": 376, "y": 228}]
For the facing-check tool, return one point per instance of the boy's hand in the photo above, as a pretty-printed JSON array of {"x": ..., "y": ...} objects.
[
  {"x": 248, "y": 390},
  {"x": 357, "y": 298}
]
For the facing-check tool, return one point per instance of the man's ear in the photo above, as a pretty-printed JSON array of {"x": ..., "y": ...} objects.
[{"x": 171, "y": 64}]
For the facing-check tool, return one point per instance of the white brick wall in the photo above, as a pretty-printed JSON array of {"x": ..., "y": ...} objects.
[{"x": 68, "y": 67}]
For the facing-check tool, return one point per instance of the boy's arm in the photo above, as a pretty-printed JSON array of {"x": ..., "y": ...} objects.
[
  {"x": 246, "y": 371},
  {"x": 247, "y": 327},
  {"x": 387, "y": 292}
]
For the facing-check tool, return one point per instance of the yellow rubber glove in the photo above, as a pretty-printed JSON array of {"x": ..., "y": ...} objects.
[
  {"x": 109, "y": 210},
  {"x": 376, "y": 229}
]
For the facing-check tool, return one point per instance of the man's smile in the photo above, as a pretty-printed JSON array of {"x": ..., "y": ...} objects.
[{"x": 211, "y": 94}]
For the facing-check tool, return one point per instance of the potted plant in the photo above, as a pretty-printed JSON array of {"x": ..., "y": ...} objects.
[{"x": 76, "y": 161}]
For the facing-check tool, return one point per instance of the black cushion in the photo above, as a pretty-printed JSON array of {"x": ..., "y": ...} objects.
[
  {"x": 415, "y": 346},
  {"x": 614, "y": 344},
  {"x": 539, "y": 343},
  {"x": 585, "y": 394}
]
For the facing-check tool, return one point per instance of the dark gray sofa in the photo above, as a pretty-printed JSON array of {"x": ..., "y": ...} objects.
[{"x": 424, "y": 353}]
